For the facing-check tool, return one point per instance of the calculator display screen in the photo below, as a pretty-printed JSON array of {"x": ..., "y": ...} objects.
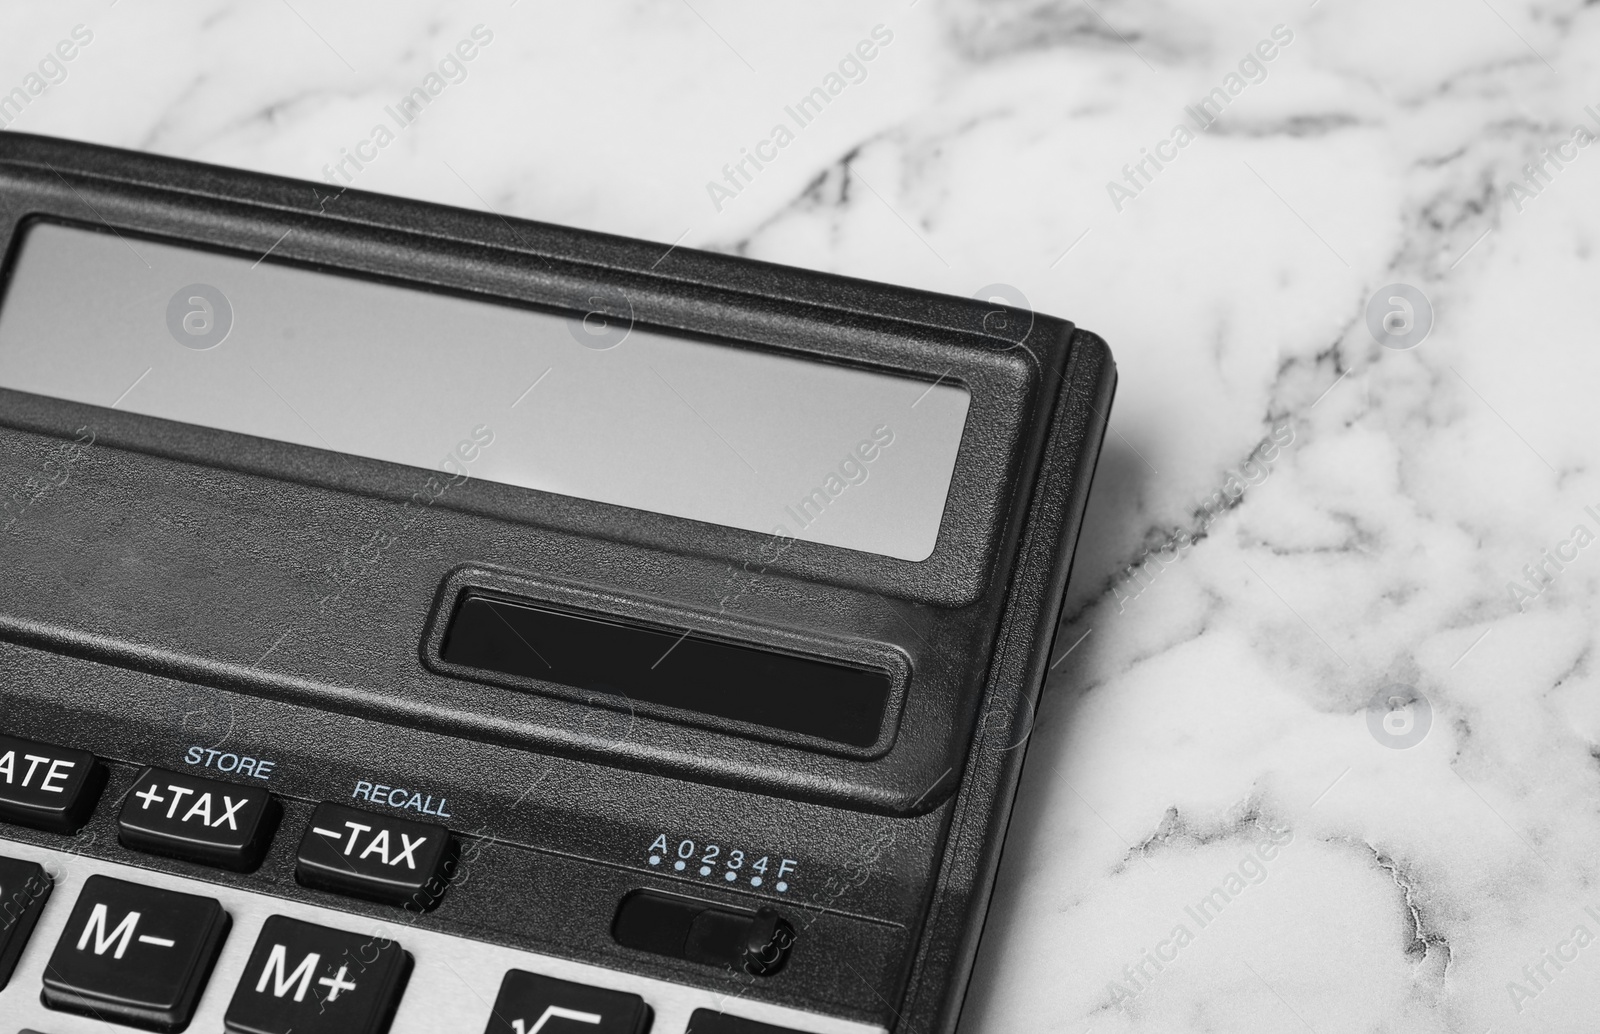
[{"x": 597, "y": 409}]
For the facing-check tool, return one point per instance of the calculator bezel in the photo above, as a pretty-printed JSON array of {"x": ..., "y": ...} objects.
[
  {"x": 953, "y": 597},
  {"x": 993, "y": 585}
]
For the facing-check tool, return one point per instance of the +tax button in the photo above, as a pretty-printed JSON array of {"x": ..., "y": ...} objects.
[{"x": 198, "y": 820}]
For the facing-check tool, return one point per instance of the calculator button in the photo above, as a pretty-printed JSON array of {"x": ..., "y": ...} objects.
[
  {"x": 529, "y": 1003},
  {"x": 306, "y": 979},
  {"x": 373, "y": 856},
  {"x": 135, "y": 955},
  {"x": 24, "y": 888},
  {"x": 708, "y": 1021},
  {"x": 50, "y": 788},
  {"x": 198, "y": 820}
]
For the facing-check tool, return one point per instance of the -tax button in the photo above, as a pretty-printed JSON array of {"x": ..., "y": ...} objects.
[
  {"x": 199, "y": 820},
  {"x": 529, "y": 1002},
  {"x": 50, "y": 788},
  {"x": 378, "y": 857}
]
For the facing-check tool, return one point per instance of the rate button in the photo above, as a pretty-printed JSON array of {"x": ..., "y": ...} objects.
[{"x": 47, "y": 787}]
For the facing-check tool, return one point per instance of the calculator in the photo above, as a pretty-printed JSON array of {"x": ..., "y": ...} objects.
[{"x": 417, "y": 620}]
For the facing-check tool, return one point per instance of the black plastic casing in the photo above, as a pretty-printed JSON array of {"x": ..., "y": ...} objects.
[{"x": 185, "y": 588}]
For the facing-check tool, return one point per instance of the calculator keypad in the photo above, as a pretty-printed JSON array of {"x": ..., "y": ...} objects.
[{"x": 144, "y": 948}]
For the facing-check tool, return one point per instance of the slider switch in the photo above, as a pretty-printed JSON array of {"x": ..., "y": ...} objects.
[{"x": 756, "y": 942}]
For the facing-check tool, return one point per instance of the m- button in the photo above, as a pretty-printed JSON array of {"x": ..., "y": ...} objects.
[
  {"x": 378, "y": 857},
  {"x": 51, "y": 788},
  {"x": 199, "y": 820},
  {"x": 135, "y": 955},
  {"x": 306, "y": 979}
]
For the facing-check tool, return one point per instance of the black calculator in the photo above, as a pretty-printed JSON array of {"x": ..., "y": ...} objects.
[{"x": 415, "y": 620}]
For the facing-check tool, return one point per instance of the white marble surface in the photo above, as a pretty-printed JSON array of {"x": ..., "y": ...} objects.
[{"x": 1225, "y": 702}]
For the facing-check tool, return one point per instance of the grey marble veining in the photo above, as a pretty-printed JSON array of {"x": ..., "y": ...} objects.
[{"x": 1293, "y": 524}]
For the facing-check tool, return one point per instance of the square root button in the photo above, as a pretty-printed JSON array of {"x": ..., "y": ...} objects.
[
  {"x": 378, "y": 857},
  {"x": 135, "y": 955},
  {"x": 529, "y": 1003},
  {"x": 307, "y": 979}
]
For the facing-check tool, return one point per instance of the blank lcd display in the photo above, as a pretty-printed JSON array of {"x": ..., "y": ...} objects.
[{"x": 612, "y": 413}]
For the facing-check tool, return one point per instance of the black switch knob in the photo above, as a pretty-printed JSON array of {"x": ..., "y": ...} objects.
[
  {"x": 757, "y": 942},
  {"x": 767, "y": 944}
]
